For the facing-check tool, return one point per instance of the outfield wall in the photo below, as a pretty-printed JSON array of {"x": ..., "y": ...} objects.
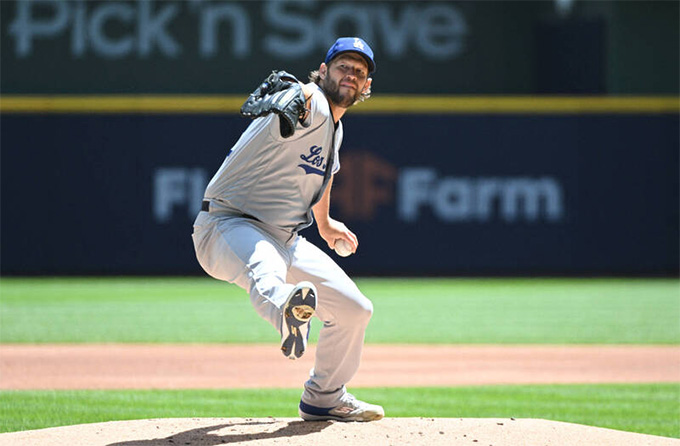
[
  {"x": 474, "y": 186},
  {"x": 504, "y": 136},
  {"x": 427, "y": 47}
]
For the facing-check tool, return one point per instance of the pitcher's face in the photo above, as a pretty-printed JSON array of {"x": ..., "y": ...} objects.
[{"x": 344, "y": 79}]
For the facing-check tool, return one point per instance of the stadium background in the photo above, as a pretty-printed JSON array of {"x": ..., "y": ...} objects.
[
  {"x": 503, "y": 138},
  {"x": 513, "y": 138}
]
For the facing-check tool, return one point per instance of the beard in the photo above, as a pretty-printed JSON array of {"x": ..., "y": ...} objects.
[{"x": 332, "y": 90}]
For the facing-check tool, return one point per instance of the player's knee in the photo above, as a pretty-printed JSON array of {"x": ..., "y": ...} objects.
[
  {"x": 361, "y": 310},
  {"x": 367, "y": 312}
]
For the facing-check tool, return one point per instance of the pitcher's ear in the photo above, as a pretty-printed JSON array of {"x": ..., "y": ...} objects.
[{"x": 367, "y": 86}]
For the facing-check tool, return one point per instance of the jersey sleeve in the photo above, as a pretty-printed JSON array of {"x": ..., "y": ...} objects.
[
  {"x": 338, "y": 142},
  {"x": 317, "y": 109}
]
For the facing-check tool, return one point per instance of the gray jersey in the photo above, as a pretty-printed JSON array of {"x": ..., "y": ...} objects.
[{"x": 273, "y": 179}]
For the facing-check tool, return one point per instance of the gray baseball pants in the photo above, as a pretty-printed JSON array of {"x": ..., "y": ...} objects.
[{"x": 267, "y": 264}]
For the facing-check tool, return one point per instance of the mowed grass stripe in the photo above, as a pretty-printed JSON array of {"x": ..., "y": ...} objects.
[
  {"x": 420, "y": 311},
  {"x": 649, "y": 408}
]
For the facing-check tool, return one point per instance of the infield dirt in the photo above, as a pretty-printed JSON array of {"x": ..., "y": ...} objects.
[{"x": 114, "y": 366}]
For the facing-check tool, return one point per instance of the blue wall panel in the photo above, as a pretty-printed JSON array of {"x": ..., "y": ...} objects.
[{"x": 427, "y": 194}]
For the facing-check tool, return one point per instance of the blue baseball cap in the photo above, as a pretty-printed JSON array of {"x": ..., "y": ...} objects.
[{"x": 354, "y": 44}]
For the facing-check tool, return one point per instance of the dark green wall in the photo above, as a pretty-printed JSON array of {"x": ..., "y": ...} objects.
[{"x": 218, "y": 47}]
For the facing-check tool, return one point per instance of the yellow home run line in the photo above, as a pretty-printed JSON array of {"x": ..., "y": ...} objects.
[{"x": 398, "y": 104}]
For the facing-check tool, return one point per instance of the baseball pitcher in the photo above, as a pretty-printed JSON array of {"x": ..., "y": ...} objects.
[{"x": 276, "y": 181}]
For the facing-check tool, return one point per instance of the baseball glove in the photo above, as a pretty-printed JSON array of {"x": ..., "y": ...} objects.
[{"x": 282, "y": 94}]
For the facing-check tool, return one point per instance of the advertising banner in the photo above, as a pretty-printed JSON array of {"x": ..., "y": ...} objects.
[
  {"x": 440, "y": 194},
  {"x": 221, "y": 47}
]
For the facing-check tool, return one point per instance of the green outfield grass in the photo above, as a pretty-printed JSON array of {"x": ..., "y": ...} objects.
[
  {"x": 442, "y": 311},
  {"x": 650, "y": 408}
]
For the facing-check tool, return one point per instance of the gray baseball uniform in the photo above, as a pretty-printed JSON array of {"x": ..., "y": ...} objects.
[{"x": 260, "y": 198}]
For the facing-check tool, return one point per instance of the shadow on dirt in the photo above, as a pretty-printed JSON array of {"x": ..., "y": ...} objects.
[{"x": 203, "y": 436}]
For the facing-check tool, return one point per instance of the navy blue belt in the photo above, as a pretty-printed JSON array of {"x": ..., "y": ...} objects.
[{"x": 205, "y": 207}]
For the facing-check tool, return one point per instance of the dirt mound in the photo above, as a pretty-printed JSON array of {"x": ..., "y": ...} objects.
[{"x": 292, "y": 432}]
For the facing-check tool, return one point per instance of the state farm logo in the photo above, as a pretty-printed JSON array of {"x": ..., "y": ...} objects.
[
  {"x": 367, "y": 185},
  {"x": 364, "y": 184}
]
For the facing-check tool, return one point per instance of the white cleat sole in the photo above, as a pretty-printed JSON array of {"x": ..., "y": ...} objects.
[{"x": 297, "y": 314}]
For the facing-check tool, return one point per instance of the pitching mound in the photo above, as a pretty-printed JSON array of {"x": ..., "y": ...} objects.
[{"x": 292, "y": 431}]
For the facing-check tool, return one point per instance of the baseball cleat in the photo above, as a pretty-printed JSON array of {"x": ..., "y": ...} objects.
[
  {"x": 297, "y": 314},
  {"x": 351, "y": 409}
]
